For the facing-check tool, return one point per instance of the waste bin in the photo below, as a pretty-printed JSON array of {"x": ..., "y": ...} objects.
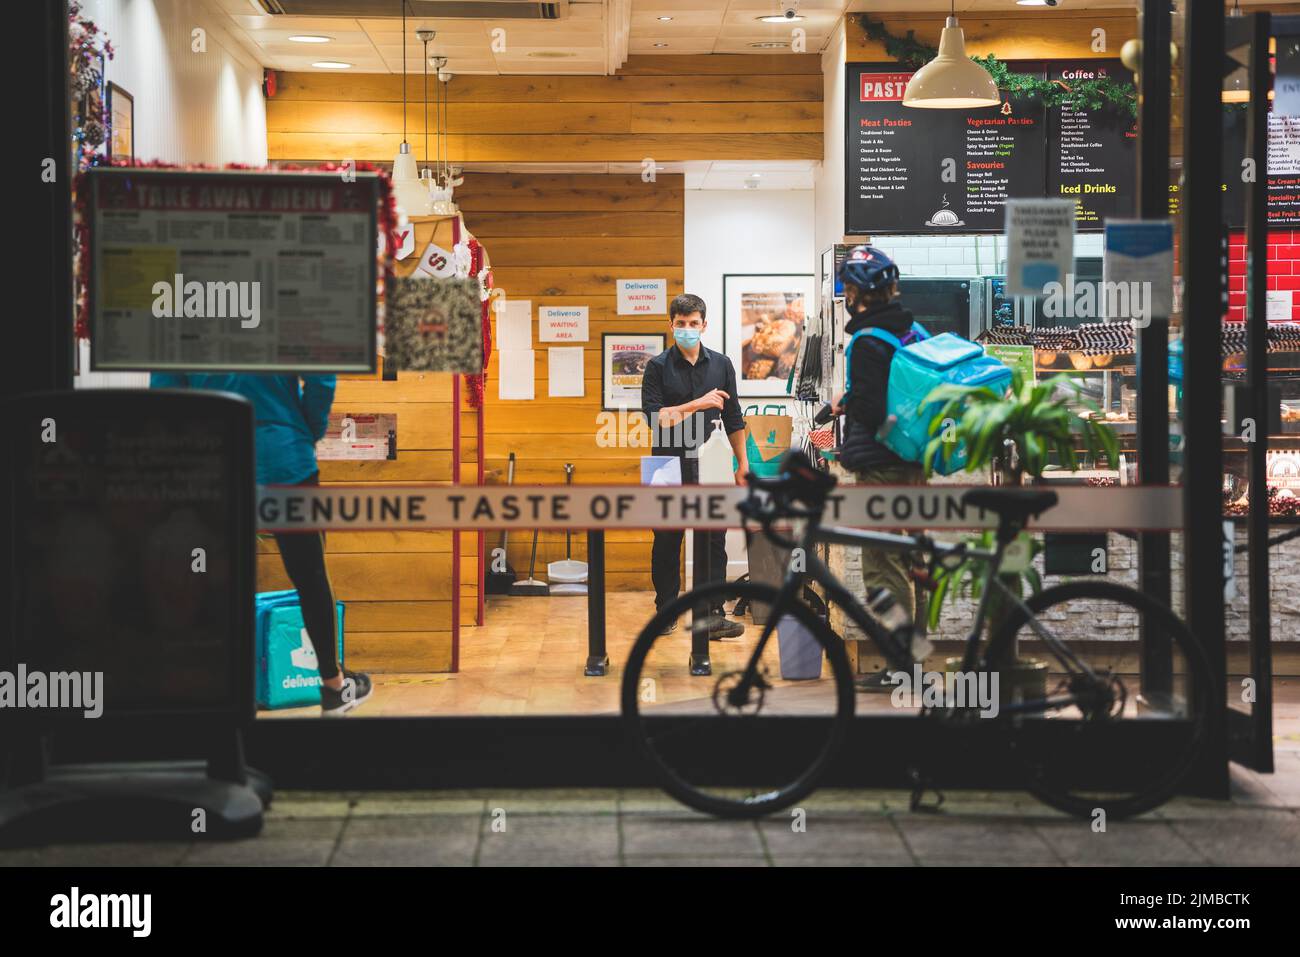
[{"x": 801, "y": 653}]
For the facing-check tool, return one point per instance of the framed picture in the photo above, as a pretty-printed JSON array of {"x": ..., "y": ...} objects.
[
  {"x": 121, "y": 123},
  {"x": 762, "y": 327},
  {"x": 623, "y": 357}
]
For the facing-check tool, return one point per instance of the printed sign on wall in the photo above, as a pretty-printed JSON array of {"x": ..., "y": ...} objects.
[
  {"x": 562, "y": 324},
  {"x": 642, "y": 297}
]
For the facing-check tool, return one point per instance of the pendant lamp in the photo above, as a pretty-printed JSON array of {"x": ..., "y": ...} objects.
[
  {"x": 411, "y": 195},
  {"x": 951, "y": 81}
]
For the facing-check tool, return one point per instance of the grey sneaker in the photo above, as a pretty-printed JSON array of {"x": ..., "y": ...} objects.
[
  {"x": 726, "y": 629},
  {"x": 356, "y": 689},
  {"x": 882, "y": 682}
]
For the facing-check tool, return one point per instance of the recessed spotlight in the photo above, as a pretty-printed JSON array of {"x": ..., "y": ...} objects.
[
  {"x": 310, "y": 38},
  {"x": 770, "y": 45},
  {"x": 778, "y": 18},
  {"x": 332, "y": 65},
  {"x": 1036, "y": 3},
  {"x": 663, "y": 19},
  {"x": 551, "y": 54},
  {"x": 661, "y": 44}
]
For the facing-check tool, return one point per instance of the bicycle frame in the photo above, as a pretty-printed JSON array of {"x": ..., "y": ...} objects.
[{"x": 899, "y": 658}]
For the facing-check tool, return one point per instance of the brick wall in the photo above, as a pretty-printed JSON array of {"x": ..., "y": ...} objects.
[{"x": 1283, "y": 270}]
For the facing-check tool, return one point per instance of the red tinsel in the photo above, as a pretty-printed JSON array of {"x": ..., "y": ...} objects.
[
  {"x": 478, "y": 382},
  {"x": 81, "y": 221}
]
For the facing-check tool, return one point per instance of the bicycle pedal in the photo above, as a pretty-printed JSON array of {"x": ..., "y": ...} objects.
[{"x": 919, "y": 786}]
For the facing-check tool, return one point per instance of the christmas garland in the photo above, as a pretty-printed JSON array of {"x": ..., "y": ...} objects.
[
  {"x": 1082, "y": 94},
  {"x": 85, "y": 82}
]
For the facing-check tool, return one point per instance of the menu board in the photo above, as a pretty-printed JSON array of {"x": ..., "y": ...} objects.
[
  {"x": 1283, "y": 203},
  {"x": 1091, "y": 154},
  {"x": 934, "y": 171},
  {"x": 232, "y": 271}
]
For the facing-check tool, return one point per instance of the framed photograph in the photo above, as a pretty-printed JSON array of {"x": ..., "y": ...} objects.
[
  {"x": 623, "y": 357},
  {"x": 762, "y": 327},
  {"x": 121, "y": 123}
]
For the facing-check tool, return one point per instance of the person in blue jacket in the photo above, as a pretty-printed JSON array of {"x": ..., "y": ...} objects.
[{"x": 291, "y": 418}]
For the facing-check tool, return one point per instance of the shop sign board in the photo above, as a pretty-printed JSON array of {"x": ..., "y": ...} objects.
[
  {"x": 1040, "y": 244},
  {"x": 642, "y": 297},
  {"x": 231, "y": 270},
  {"x": 340, "y": 507},
  {"x": 562, "y": 324}
]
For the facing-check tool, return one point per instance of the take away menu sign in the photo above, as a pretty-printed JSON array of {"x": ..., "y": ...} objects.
[{"x": 232, "y": 270}]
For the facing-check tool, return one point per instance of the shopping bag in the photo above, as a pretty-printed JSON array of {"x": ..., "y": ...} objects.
[{"x": 767, "y": 438}]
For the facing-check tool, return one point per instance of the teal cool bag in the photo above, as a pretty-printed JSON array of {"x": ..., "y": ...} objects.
[
  {"x": 286, "y": 660},
  {"x": 918, "y": 367}
]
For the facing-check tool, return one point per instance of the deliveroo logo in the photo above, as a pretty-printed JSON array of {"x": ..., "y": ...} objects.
[{"x": 304, "y": 656}]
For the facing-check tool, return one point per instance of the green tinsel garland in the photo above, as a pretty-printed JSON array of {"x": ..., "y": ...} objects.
[{"x": 1083, "y": 94}]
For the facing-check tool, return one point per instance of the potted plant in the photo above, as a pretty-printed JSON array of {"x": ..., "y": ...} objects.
[{"x": 1014, "y": 435}]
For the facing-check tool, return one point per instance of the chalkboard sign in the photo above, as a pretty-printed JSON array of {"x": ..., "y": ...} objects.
[
  {"x": 133, "y": 544},
  {"x": 934, "y": 171},
  {"x": 1091, "y": 154}
]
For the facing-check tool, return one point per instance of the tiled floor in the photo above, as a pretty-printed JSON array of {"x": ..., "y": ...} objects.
[{"x": 1260, "y": 826}]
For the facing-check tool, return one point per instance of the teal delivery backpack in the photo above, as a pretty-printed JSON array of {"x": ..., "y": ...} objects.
[
  {"x": 918, "y": 367},
  {"x": 286, "y": 661}
]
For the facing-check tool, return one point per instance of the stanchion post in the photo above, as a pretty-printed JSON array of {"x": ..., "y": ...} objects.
[{"x": 597, "y": 656}]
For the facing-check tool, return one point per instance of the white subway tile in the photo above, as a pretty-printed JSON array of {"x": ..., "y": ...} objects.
[{"x": 946, "y": 256}]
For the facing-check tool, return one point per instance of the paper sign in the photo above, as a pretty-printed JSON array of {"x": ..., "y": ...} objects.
[
  {"x": 1139, "y": 254},
  {"x": 515, "y": 325},
  {"x": 405, "y": 240},
  {"x": 437, "y": 262},
  {"x": 642, "y": 297},
  {"x": 1040, "y": 244},
  {"x": 564, "y": 372},
  {"x": 562, "y": 324},
  {"x": 516, "y": 374},
  {"x": 1014, "y": 357},
  {"x": 1279, "y": 305}
]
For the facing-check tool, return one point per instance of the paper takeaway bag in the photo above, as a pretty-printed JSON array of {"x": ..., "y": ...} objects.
[{"x": 767, "y": 438}]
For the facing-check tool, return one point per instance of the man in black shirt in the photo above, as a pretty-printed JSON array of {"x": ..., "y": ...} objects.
[{"x": 685, "y": 389}]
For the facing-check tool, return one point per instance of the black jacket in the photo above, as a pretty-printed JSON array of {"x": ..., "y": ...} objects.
[
  {"x": 865, "y": 406},
  {"x": 670, "y": 380}
]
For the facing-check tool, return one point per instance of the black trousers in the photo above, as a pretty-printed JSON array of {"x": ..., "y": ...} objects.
[
  {"x": 664, "y": 562},
  {"x": 304, "y": 559}
]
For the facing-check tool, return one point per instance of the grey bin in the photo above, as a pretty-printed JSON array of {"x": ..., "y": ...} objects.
[{"x": 801, "y": 653}]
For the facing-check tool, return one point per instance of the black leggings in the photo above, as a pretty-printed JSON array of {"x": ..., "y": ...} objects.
[{"x": 304, "y": 559}]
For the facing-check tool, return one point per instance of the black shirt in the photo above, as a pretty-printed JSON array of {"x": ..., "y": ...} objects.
[{"x": 670, "y": 380}]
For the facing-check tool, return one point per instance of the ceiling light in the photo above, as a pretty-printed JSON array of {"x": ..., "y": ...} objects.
[
  {"x": 663, "y": 19},
  {"x": 770, "y": 45},
  {"x": 551, "y": 54},
  {"x": 952, "y": 80},
  {"x": 778, "y": 18},
  {"x": 661, "y": 44},
  {"x": 1036, "y": 3},
  {"x": 411, "y": 195},
  {"x": 310, "y": 38},
  {"x": 332, "y": 65}
]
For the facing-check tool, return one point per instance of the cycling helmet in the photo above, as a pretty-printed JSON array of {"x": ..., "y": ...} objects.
[{"x": 867, "y": 268}]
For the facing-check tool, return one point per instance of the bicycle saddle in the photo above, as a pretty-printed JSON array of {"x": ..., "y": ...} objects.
[{"x": 1011, "y": 503}]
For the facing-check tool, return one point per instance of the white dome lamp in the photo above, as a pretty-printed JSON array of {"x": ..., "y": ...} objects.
[
  {"x": 410, "y": 194},
  {"x": 952, "y": 80}
]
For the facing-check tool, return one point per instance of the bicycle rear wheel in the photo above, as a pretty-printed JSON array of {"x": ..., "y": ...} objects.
[
  {"x": 743, "y": 741},
  {"x": 1123, "y": 745}
]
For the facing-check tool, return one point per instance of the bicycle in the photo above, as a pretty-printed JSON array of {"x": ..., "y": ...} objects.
[{"x": 1099, "y": 739}]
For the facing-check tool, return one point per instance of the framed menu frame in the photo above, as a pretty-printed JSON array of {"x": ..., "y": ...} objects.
[{"x": 756, "y": 336}]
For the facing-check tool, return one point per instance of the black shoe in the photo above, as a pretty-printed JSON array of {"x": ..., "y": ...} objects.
[
  {"x": 356, "y": 689},
  {"x": 882, "y": 681},
  {"x": 669, "y": 628},
  {"x": 725, "y": 629}
]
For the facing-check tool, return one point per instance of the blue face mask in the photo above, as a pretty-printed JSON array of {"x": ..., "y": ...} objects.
[{"x": 687, "y": 338}]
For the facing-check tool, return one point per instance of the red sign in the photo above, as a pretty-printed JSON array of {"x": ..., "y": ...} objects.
[{"x": 883, "y": 86}]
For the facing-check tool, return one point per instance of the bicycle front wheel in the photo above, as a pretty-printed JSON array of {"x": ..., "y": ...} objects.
[
  {"x": 1109, "y": 735},
  {"x": 754, "y": 734}
]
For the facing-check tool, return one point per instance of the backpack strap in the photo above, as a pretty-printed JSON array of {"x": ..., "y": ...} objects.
[{"x": 875, "y": 333}]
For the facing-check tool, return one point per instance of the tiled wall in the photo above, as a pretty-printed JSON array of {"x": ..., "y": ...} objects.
[
  {"x": 1283, "y": 270},
  {"x": 926, "y": 255}
]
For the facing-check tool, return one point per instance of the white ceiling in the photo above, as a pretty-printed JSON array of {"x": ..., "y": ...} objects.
[{"x": 595, "y": 35}]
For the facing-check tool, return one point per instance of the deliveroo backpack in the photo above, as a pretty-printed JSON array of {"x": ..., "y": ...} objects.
[
  {"x": 286, "y": 660},
  {"x": 917, "y": 368}
]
